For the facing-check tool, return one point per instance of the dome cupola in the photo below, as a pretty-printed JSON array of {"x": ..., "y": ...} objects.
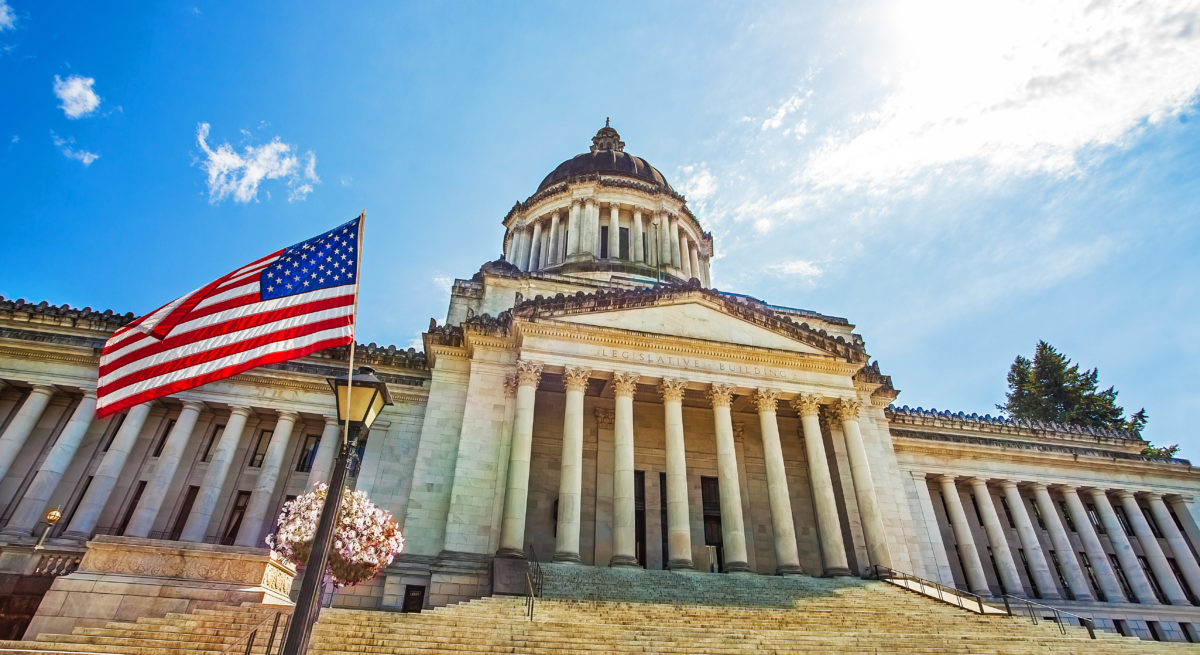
[{"x": 607, "y": 156}]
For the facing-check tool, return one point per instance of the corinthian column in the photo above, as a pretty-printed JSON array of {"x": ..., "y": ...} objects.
[
  {"x": 22, "y": 425},
  {"x": 1010, "y": 579},
  {"x": 694, "y": 254},
  {"x": 535, "y": 248},
  {"x": 106, "y": 475},
  {"x": 570, "y": 485},
  {"x": 673, "y": 234},
  {"x": 249, "y": 533},
  {"x": 1062, "y": 544},
  {"x": 553, "y": 250},
  {"x": 214, "y": 477},
  {"x": 30, "y": 510},
  {"x": 614, "y": 232},
  {"x": 864, "y": 484},
  {"x": 624, "y": 511},
  {"x": 635, "y": 238},
  {"x": 679, "y": 529},
  {"x": 733, "y": 528},
  {"x": 1153, "y": 552},
  {"x": 1029, "y": 541},
  {"x": 151, "y": 502},
  {"x": 516, "y": 495},
  {"x": 967, "y": 552},
  {"x": 591, "y": 212},
  {"x": 787, "y": 556},
  {"x": 829, "y": 527}
]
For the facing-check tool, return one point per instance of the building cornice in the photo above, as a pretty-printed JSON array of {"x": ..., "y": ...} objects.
[
  {"x": 973, "y": 441},
  {"x": 920, "y": 417}
]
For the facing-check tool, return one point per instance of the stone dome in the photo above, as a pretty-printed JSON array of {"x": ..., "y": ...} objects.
[{"x": 607, "y": 156}]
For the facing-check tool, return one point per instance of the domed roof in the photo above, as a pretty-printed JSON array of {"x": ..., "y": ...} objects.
[{"x": 607, "y": 156}]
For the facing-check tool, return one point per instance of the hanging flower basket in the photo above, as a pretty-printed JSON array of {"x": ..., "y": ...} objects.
[{"x": 365, "y": 538}]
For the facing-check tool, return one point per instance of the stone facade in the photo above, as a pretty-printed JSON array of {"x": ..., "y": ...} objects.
[{"x": 595, "y": 402}]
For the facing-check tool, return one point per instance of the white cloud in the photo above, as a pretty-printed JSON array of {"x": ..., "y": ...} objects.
[
  {"x": 65, "y": 147},
  {"x": 1013, "y": 89},
  {"x": 790, "y": 105},
  {"x": 697, "y": 184},
  {"x": 8, "y": 20},
  {"x": 239, "y": 175},
  {"x": 75, "y": 92},
  {"x": 796, "y": 269}
]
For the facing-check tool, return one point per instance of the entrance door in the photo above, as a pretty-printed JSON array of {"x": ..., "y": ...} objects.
[
  {"x": 710, "y": 492},
  {"x": 414, "y": 598},
  {"x": 639, "y": 516}
]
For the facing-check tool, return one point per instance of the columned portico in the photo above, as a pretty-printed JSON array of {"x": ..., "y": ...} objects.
[
  {"x": 1038, "y": 567},
  {"x": 22, "y": 425},
  {"x": 516, "y": 496},
  {"x": 1105, "y": 576},
  {"x": 1175, "y": 539},
  {"x": 570, "y": 489},
  {"x": 1062, "y": 543},
  {"x": 679, "y": 529},
  {"x": 829, "y": 528},
  {"x": 83, "y": 523},
  {"x": 196, "y": 527},
  {"x": 968, "y": 554},
  {"x": 1153, "y": 552},
  {"x": 1130, "y": 565},
  {"x": 1010, "y": 579},
  {"x": 864, "y": 485},
  {"x": 733, "y": 527},
  {"x": 249, "y": 534},
  {"x": 787, "y": 557},
  {"x": 149, "y": 504}
]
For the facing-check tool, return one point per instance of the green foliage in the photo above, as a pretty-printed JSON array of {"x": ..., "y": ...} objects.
[
  {"x": 1160, "y": 452},
  {"x": 1051, "y": 388}
]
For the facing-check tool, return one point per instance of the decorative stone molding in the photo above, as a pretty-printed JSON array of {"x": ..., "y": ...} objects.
[
  {"x": 765, "y": 399},
  {"x": 720, "y": 395},
  {"x": 846, "y": 409},
  {"x": 989, "y": 423},
  {"x": 576, "y": 377},
  {"x": 510, "y": 385},
  {"x": 529, "y": 373},
  {"x": 1077, "y": 451},
  {"x": 671, "y": 389},
  {"x": 625, "y": 383},
  {"x": 605, "y": 417},
  {"x": 739, "y": 430},
  {"x": 807, "y": 404}
]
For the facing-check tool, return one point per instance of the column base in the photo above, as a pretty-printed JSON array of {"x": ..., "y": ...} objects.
[
  {"x": 837, "y": 572},
  {"x": 570, "y": 558},
  {"x": 789, "y": 569},
  {"x": 624, "y": 561},
  {"x": 681, "y": 565},
  {"x": 737, "y": 567},
  {"x": 510, "y": 553}
]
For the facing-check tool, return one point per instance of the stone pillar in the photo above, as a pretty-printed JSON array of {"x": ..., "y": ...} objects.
[
  {"x": 685, "y": 256},
  {"x": 1010, "y": 578},
  {"x": 554, "y": 250},
  {"x": 22, "y": 425},
  {"x": 327, "y": 448},
  {"x": 535, "y": 248},
  {"x": 1122, "y": 548},
  {"x": 614, "y": 232},
  {"x": 570, "y": 482},
  {"x": 1067, "y": 559},
  {"x": 1159, "y": 565},
  {"x": 142, "y": 521},
  {"x": 967, "y": 552},
  {"x": 516, "y": 494},
  {"x": 664, "y": 240},
  {"x": 1038, "y": 565},
  {"x": 864, "y": 484},
  {"x": 624, "y": 511},
  {"x": 264, "y": 487},
  {"x": 694, "y": 252},
  {"x": 1186, "y": 510},
  {"x": 733, "y": 528},
  {"x": 574, "y": 227},
  {"x": 524, "y": 262},
  {"x": 33, "y": 504},
  {"x": 1105, "y": 576},
  {"x": 787, "y": 556},
  {"x": 635, "y": 238},
  {"x": 214, "y": 477},
  {"x": 673, "y": 234},
  {"x": 591, "y": 212},
  {"x": 105, "y": 477},
  {"x": 1183, "y": 555},
  {"x": 708, "y": 272},
  {"x": 679, "y": 527},
  {"x": 829, "y": 526}
]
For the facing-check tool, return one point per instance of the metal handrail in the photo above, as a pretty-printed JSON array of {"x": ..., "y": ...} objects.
[
  {"x": 880, "y": 572},
  {"x": 252, "y": 634},
  {"x": 1086, "y": 621},
  {"x": 533, "y": 579}
]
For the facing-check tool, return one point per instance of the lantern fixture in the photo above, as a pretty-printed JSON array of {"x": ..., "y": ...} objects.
[{"x": 361, "y": 398}]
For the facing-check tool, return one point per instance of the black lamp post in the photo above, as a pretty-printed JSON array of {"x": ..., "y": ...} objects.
[{"x": 359, "y": 401}]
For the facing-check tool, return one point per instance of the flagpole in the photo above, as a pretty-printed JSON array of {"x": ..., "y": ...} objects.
[{"x": 308, "y": 605}]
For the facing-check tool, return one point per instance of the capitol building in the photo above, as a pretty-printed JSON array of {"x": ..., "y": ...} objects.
[{"x": 591, "y": 399}]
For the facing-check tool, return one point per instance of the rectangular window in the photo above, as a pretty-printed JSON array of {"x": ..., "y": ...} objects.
[
  {"x": 114, "y": 427},
  {"x": 1125, "y": 588},
  {"x": 1150, "y": 522},
  {"x": 1119, "y": 626},
  {"x": 1067, "y": 517},
  {"x": 1158, "y": 592},
  {"x": 185, "y": 509},
  {"x": 1029, "y": 574},
  {"x": 1189, "y": 632},
  {"x": 260, "y": 448},
  {"x": 1007, "y": 512},
  {"x": 214, "y": 435},
  {"x": 1091, "y": 574},
  {"x": 308, "y": 453},
  {"x": 639, "y": 517},
  {"x": 603, "y": 242},
  {"x": 1152, "y": 626},
  {"x": 1095, "y": 519},
  {"x": 645, "y": 248},
  {"x": 133, "y": 503},
  {"x": 1037, "y": 514},
  {"x": 996, "y": 571},
  {"x": 1187, "y": 591},
  {"x": 1123, "y": 520},
  {"x": 1062, "y": 580},
  {"x": 662, "y": 516},
  {"x": 414, "y": 598},
  {"x": 975, "y": 506},
  {"x": 623, "y": 239},
  {"x": 234, "y": 522},
  {"x": 72, "y": 505},
  {"x": 161, "y": 439}
]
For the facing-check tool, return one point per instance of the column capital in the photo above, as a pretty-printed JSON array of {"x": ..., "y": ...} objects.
[
  {"x": 847, "y": 409},
  {"x": 576, "y": 377},
  {"x": 528, "y": 373},
  {"x": 330, "y": 419},
  {"x": 198, "y": 405},
  {"x": 1008, "y": 484},
  {"x": 244, "y": 410},
  {"x": 510, "y": 385},
  {"x": 605, "y": 417},
  {"x": 287, "y": 414},
  {"x": 943, "y": 478},
  {"x": 976, "y": 481},
  {"x": 47, "y": 389},
  {"x": 86, "y": 392},
  {"x": 625, "y": 383},
  {"x": 765, "y": 399},
  {"x": 1125, "y": 493},
  {"x": 807, "y": 404},
  {"x": 671, "y": 389},
  {"x": 720, "y": 394}
]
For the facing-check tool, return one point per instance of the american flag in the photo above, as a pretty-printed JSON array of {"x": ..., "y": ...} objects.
[{"x": 286, "y": 305}]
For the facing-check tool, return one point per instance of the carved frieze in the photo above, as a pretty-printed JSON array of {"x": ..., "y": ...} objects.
[{"x": 605, "y": 417}]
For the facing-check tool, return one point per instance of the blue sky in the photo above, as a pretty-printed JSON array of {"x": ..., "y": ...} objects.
[{"x": 957, "y": 179}]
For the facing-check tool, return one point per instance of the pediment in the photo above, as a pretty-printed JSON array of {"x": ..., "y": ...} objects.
[{"x": 692, "y": 319}]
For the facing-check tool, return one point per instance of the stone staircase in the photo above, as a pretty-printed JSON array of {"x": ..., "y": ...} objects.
[{"x": 596, "y": 610}]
